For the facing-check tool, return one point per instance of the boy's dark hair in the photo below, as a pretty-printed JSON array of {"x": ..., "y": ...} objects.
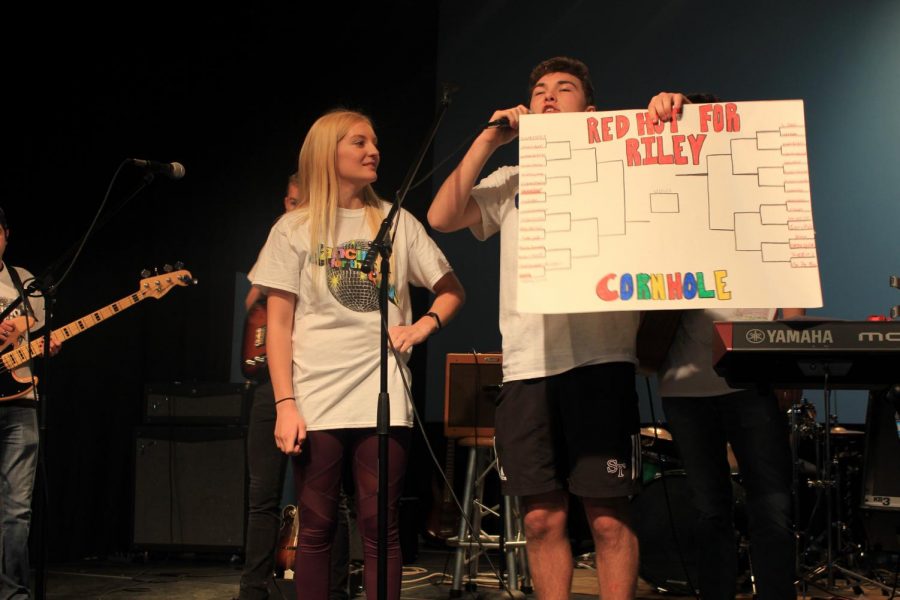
[
  {"x": 702, "y": 98},
  {"x": 564, "y": 64},
  {"x": 293, "y": 180}
]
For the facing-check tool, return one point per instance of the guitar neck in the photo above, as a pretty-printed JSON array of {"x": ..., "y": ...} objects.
[{"x": 21, "y": 355}]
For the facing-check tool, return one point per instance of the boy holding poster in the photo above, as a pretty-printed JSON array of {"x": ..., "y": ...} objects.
[{"x": 568, "y": 419}]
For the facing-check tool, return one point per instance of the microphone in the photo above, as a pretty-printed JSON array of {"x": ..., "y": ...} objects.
[
  {"x": 501, "y": 122},
  {"x": 174, "y": 170},
  {"x": 448, "y": 89}
]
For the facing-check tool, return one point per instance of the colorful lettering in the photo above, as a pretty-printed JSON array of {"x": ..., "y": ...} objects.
[
  {"x": 674, "y": 284},
  {"x": 721, "y": 292},
  {"x": 662, "y": 286},
  {"x": 626, "y": 287},
  {"x": 632, "y": 154},
  {"x": 690, "y": 286},
  {"x": 643, "y": 289},
  {"x": 593, "y": 135},
  {"x": 721, "y": 118},
  {"x": 658, "y": 286},
  {"x": 696, "y": 143},
  {"x": 702, "y": 292},
  {"x": 622, "y": 126},
  {"x": 603, "y": 290}
]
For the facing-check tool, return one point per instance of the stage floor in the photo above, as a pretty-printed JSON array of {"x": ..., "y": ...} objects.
[{"x": 209, "y": 578}]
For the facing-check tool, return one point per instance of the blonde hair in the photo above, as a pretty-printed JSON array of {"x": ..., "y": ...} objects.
[{"x": 319, "y": 181}]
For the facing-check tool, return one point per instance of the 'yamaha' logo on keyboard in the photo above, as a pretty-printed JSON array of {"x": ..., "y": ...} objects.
[{"x": 756, "y": 336}]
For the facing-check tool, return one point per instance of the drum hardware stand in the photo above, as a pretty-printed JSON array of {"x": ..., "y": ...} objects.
[
  {"x": 796, "y": 435},
  {"x": 830, "y": 565},
  {"x": 830, "y": 485}
]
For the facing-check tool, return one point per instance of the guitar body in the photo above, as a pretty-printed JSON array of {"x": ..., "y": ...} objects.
[
  {"x": 286, "y": 550},
  {"x": 253, "y": 347},
  {"x": 18, "y": 383},
  {"x": 442, "y": 521},
  {"x": 13, "y": 387}
]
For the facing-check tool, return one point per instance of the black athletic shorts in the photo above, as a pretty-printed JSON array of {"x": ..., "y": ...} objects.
[{"x": 578, "y": 430}]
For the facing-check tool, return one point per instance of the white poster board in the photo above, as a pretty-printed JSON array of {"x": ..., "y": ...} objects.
[{"x": 711, "y": 210}]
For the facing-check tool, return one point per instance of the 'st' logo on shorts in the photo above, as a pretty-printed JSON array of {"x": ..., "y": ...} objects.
[{"x": 613, "y": 466}]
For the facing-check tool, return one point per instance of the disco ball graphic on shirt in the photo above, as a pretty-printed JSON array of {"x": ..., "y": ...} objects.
[{"x": 350, "y": 286}]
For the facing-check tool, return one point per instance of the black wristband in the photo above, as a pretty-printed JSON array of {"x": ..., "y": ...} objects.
[
  {"x": 436, "y": 318},
  {"x": 283, "y": 399}
]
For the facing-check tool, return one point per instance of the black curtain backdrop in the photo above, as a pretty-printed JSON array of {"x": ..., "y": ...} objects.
[{"x": 228, "y": 93}]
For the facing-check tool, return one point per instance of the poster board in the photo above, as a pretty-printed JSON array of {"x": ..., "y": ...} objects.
[{"x": 710, "y": 211}]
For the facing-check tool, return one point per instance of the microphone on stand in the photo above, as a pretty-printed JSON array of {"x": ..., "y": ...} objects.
[
  {"x": 448, "y": 88},
  {"x": 174, "y": 170}
]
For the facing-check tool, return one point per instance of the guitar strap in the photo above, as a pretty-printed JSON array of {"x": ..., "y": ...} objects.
[
  {"x": 17, "y": 283},
  {"x": 26, "y": 309}
]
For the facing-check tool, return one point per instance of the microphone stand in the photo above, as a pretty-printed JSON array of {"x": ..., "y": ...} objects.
[
  {"x": 44, "y": 288},
  {"x": 47, "y": 285},
  {"x": 382, "y": 246},
  {"x": 48, "y": 290}
]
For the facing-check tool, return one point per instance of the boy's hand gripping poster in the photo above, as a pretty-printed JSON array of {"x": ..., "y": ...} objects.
[{"x": 710, "y": 210}]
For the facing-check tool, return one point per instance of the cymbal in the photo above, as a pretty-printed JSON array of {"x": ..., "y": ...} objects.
[
  {"x": 838, "y": 430},
  {"x": 656, "y": 432}
]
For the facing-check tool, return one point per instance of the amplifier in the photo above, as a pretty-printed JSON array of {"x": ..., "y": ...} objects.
[
  {"x": 196, "y": 403},
  {"x": 881, "y": 472},
  {"x": 471, "y": 386},
  {"x": 190, "y": 486},
  {"x": 881, "y": 468}
]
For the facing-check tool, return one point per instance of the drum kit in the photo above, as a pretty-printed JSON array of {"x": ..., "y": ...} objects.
[{"x": 664, "y": 514}]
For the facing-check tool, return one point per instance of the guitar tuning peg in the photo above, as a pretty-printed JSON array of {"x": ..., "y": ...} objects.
[
  {"x": 167, "y": 268},
  {"x": 179, "y": 265},
  {"x": 145, "y": 274}
]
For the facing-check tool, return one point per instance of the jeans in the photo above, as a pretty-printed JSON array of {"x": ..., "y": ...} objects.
[
  {"x": 18, "y": 465},
  {"x": 758, "y": 435}
]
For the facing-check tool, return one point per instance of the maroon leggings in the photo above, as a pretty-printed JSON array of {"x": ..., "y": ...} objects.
[{"x": 317, "y": 475}]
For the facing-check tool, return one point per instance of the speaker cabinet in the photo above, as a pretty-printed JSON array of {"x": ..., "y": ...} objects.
[
  {"x": 190, "y": 486},
  {"x": 471, "y": 386},
  {"x": 881, "y": 473},
  {"x": 197, "y": 403}
]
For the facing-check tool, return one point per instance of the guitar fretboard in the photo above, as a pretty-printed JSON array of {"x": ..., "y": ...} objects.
[{"x": 21, "y": 355}]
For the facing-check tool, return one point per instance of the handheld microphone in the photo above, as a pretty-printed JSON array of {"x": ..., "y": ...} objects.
[
  {"x": 501, "y": 122},
  {"x": 174, "y": 170}
]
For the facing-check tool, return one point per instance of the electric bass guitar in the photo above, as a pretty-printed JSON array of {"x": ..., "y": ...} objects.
[
  {"x": 14, "y": 386},
  {"x": 286, "y": 549},
  {"x": 253, "y": 347}
]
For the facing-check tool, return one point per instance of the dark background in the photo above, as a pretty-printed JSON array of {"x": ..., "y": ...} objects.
[
  {"x": 230, "y": 94},
  {"x": 841, "y": 59}
]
